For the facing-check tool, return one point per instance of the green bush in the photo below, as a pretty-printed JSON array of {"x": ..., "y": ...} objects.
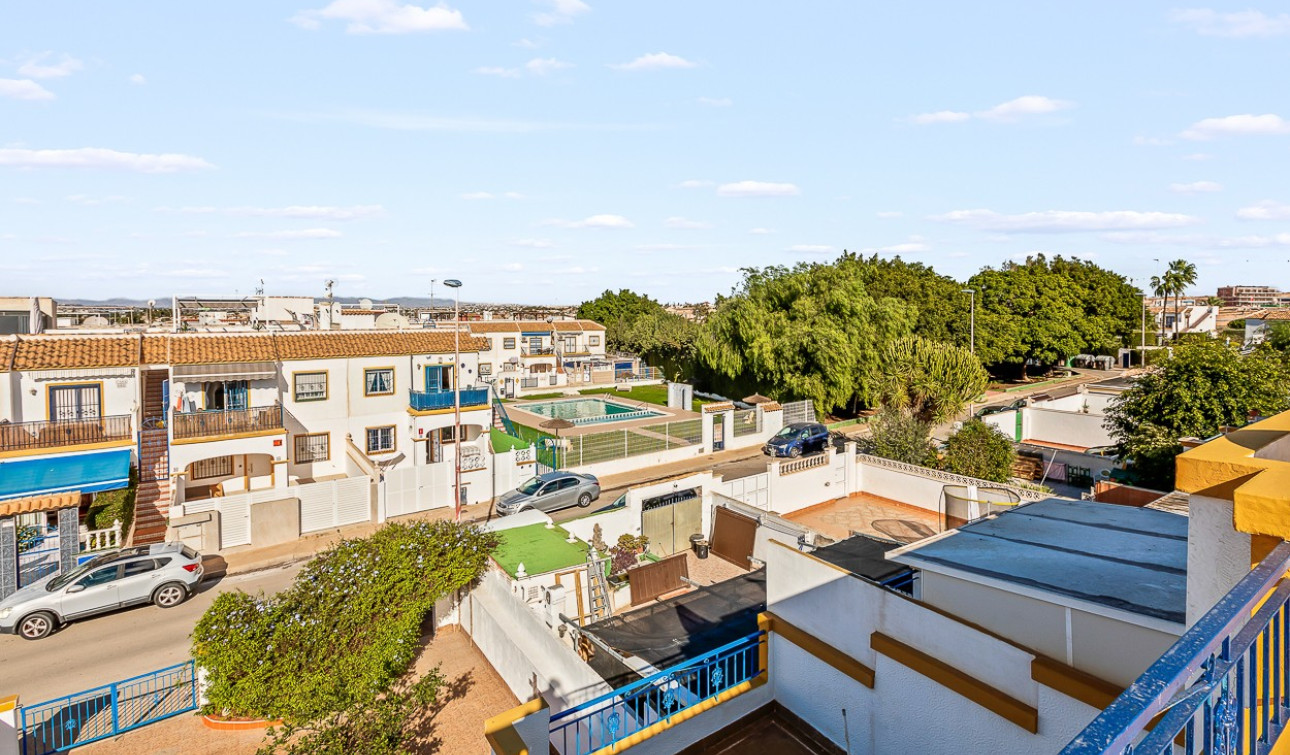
[
  {"x": 113, "y": 505},
  {"x": 979, "y": 450},
  {"x": 329, "y": 654},
  {"x": 901, "y": 437}
]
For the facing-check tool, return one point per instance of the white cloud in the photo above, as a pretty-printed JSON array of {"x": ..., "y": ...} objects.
[
  {"x": 1248, "y": 23},
  {"x": 696, "y": 183},
  {"x": 406, "y": 121},
  {"x": 89, "y": 201},
  {"x": 1255, "y": 242},
  {"x": 561, "y": 12},
  {"x": 1266, "y": 210},
  {"x": 543, "y": 66},
  {"x": 527, "y": 44},
  {"x": 595, "y": 221},
  {"x": 512, "y": 195},
  {"x": 655, "y": 61},
  {"x": 909, "y": 247},
  {"x": 305, "y": 233},
  {"x": 1005, "y": 112},
  {"x": 26, "y": 200},
  {"x": 1058, "y": 221},
  {"x": 888, "y": 214},
  {"x": 506, "y": 73},
  {"x": 1247, "y": 124},
  {"x": 382, "y": 17},
  {"x": 1022, "y": 106},
  {"x": 940, "y": 116},
  {"x": 298, "y": 212},
  {"x": 24, "y": 89},
  {"x": 36, "y": 68},
  {"x": 757, "y": 189},
  {"x": 1196, "y": 187},
  {"x": 810, "y": 248},
  {"x": 138, "y": 79},
  {"x": 761, "y": 231},
  {"x": 93, "y": 157},
  {"x": 686, "y": 224},
  {"x": 534, "y": 243},
  {"x": 716, "y": 101}
]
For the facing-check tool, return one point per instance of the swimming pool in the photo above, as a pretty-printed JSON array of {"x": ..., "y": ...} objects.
[{"x": 589, "y": 411}]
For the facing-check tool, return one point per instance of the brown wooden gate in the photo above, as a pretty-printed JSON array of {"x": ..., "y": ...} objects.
[
  {"x": 659, "y": 578},
  {"x": 733, "y": 535}
]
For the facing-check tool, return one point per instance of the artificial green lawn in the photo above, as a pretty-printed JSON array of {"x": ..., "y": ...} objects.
[{"x": 541, "y": 550}]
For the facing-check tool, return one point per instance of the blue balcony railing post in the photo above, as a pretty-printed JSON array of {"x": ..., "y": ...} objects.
[{"x": 423, "y": 401}]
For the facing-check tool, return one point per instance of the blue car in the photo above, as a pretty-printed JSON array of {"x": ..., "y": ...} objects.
[{"x": 798, "y": 439}]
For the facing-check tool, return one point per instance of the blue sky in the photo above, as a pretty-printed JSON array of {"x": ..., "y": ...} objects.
[{"x": 544, "y": 150}]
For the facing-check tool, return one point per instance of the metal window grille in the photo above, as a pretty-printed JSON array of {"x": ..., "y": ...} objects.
[
  {"x": 75, "y": 402},
  {"x": 312, "y": 448},
  {"x": 508, "y": 343},
  {"x": 377, "y": 382},
  {"x": 311, "y": 386},
  {"x": 219, "y": 466},
  {"x": 380, "y": 439},
  {"x": 485, "y": 369}
]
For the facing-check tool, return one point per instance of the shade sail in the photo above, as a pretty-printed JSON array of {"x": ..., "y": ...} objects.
[{"x": 85, "y": 473}]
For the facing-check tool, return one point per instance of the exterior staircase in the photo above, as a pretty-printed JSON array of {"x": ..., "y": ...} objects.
[{"x": 152, "y": 500}]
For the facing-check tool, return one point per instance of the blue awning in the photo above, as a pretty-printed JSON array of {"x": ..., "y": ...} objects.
[
  {"x": 535, "y": 333},
  {"x": 87, "y": 473}
]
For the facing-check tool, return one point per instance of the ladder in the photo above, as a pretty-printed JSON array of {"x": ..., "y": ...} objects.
[{"x": 598, "y": 585}]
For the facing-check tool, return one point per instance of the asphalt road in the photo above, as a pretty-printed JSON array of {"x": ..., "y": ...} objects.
[{"x": 116, "y": 646}]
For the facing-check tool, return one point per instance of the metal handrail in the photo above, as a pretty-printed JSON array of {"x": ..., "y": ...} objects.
[
  {"x": 17, "y": 436},
  {"x": 428, "y": 401},
  {"x": 214, "y": 422}
]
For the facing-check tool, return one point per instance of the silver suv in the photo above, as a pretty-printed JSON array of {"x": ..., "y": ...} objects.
[{"x": 165, "y": 575}]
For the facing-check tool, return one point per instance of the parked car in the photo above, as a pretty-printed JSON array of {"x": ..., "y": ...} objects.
[
  {"x": 798, "y": 439},
  {"x": 551, "y": 492},
  {"x": 165, "y": 575}
]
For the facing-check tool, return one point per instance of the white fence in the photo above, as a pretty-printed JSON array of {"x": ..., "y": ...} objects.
[
  {"x": 324, "y": 505},
  {"x": 425, "y": 487},
  {"x": 799, "y": 411},
  {"x": 235, "y": 513},
  {"x": 754, "y": 490}
]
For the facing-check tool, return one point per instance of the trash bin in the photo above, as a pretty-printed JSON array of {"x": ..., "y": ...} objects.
[{"x": 700, "y": 545}]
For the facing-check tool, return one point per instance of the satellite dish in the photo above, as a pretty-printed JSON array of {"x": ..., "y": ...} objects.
[
  {"x": 391, "y": 321},
  {"x": 364, "y": 303},
  {"x": 95, "y": 321}
]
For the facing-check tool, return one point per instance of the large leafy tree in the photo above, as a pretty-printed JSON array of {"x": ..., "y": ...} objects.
[
  {"x": 1048, "y": 310},
  {"x": 943, "y": 311},
  {"x": 807, "y": 332},
  {"x": 979, "y": 450},
  {"x": 930, "y": 380},
  {"x": 636, "y": 323},
  {"x": 1202, "y": 386}
]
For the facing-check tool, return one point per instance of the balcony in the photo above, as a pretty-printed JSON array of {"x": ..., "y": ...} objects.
[
  {"x": 31, "y": 436},
  {"x": 545, "y": 351},
  {"x": 471, "y": 398},
  {"x": 218, "y": 423}
]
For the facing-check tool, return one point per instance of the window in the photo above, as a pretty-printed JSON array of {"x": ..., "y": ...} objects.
[
  {"x": 309, "y": 386},
  {"x": 225, "y": 395},
  {"x": 139, "y": 567},
  {"x": 99, "y": 577},
  {"x": 438, "y": 378},
  {"x": 378, "y": 382},
  {"x": 567, "y": 483},
  {"x": 508, "y": 343},
  {"x": 593, "y": 340},
  {"x": 313, "y": 447},
  {"x": 485, "y": 369},
  {"x": 570, "y": 343},
  {"x": 447, "y": 435},
  {"x": 380, "y": 440},
  {"x": 220, "y": 466},
  {"x": 75, "y": 402},
  {"x": 535, "y": 343}
]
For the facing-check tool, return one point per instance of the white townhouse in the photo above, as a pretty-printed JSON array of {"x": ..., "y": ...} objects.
[
  {"x": 204, "y": 415},
  {"x": 533, "y": 356}
]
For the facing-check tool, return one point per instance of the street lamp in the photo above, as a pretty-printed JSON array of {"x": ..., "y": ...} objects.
[
  {"x": 972, "y": 292},
  {"x": 455, "y": 285}
]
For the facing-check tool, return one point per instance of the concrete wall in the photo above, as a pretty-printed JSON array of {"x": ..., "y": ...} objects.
[
  {"x": 922, "y": 492},
  {"x": 1218, "y": 556},
  {"x": 1071, "y": 428},
  {"x": 29, "y": 397},
  {"x": 905, "y": 711},
  {"x": 529, "y": 658}
]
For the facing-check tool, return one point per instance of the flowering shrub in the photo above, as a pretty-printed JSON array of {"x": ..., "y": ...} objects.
[
  {"x": 332, "y": 646},
  {"x": 621, "y": 559}
]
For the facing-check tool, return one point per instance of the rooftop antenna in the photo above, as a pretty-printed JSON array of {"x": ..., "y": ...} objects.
[
  {"x": 331, "y": 298},
  {"x": 432, "y": 298},
  {"x": 259, "y": 290}
]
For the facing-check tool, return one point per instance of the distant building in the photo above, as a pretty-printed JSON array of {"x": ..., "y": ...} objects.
[
  {"x": 15, "y": 314},
  {"x": 1249, "y": 296}
]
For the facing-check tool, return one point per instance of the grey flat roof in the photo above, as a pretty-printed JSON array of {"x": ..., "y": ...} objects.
[{"x": 1130, "y": 559}]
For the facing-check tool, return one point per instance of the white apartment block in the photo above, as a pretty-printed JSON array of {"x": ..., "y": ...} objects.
[{"x": 535, "y": 356}]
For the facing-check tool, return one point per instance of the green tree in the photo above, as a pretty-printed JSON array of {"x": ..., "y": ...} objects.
[
  {"x": 1202, "y": 386},
  {"x": 900, "y": 436},
  {"x": 1181, "y": 274},
  {"x": 330, "y": 655},
  {"x": 1046, "y": 311},
  {"x": 932, "y": 381},
  {"x": 1279, "y": 337},
  {"x": 809, "y": 332},
  {"x": 660, "y": 336},
  {"x": 611, "y": 307},
  {"x": 979, "y": 450},
  {"x": 943, "y": 311}
]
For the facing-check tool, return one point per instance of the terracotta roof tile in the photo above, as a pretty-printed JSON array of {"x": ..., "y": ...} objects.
[
  {"x": 156, "y": 350},
  {"x": 337, "y": 345},
  {"x": 771, "y": 406},
  {"x": 55, "y": 352},
  {"x": 568, "y": 325},
  {"x": 220, "y": 348},
  {"x": 590, "y": 325},
  {"x": 39, "y": 503},
  {"x": 7, "y": 348},
  {"x": 494, "y": 326}
]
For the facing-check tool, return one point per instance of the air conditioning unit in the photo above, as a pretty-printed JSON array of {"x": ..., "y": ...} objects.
[{"x": 553, "y": 604}]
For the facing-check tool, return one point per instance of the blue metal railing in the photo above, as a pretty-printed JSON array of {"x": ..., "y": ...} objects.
[
  {"x": 471, "y": 397},
  {"x": 620, "y": 714},
  {"x": 1222, "y": 686},
  {"x": 500, "y": 409},
  {"x": 70, "y": 721}
]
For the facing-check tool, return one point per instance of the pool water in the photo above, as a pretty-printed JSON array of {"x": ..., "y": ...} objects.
[{"x": 589, "y": 411}]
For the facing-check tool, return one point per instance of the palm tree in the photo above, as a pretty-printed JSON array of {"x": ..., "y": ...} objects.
[
  {"x": 1182, "y": 275},
  {"x": 1161, "y": 288}
]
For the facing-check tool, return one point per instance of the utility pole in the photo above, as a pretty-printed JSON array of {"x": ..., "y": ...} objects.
[
  {"x": 455, "y": 285},
  {"x": 971, "y": 292}
]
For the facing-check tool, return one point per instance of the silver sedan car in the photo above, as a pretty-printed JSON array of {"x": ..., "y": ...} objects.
[
  {"x": 165, "y": 575},
  {"x": 551, "y": 492}
]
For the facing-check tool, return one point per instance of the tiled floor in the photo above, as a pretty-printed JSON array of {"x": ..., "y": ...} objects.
[
  {"x": 705, "y": 571},
  {"x": 869, "y": 515},
  {"x": 474, "y": 692}
]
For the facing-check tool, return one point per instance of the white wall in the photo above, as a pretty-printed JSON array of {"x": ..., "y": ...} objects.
[
  {"x": 844, "y": 611},
  {"x": 633, "y": 463},
  {"x": 29, "y": 391},
  {"x": 1218, "y": 556},
  {"x": 1004, "y": 422},
  {"x": 914, "y": 490},
  {"x": 1072, "y": 428},
  {"x": 528, "y": 657}
]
